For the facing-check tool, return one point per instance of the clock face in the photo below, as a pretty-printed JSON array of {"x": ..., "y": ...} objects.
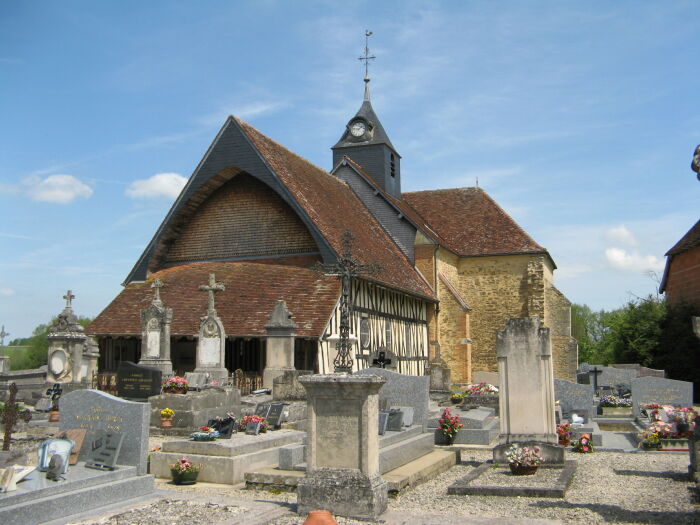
[{"x": 358, "y": 129}]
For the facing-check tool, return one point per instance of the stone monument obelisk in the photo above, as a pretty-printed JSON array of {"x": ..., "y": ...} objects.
[
  {"x": 211, "y": 345},
  {"x": 155, "y": 334},
  {"x": 279, "y": 351}
]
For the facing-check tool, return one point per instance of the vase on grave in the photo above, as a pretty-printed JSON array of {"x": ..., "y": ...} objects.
[
  {"x": 522, "y": 470},
  {"x": 166, "y": 422},
  {"x": 443, "y": 439},
  {"x": 320, "y": 517},
  {"x": 184, "y": 478},
  {"x": 54, "y": 416}
]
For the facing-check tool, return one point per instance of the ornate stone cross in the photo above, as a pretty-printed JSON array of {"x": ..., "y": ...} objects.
[
  {"x": 212, "y": 288},
  {"x": 69, "y": 297},
  {"x": 346, "y": 269},
  {"x": 157, "y": 285},
  {"x": 3, "y": 335}
]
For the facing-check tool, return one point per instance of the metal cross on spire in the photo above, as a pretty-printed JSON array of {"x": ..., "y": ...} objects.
[
  {"x": 366, "y": 59},
  {"x": 212, "y": 288},
  {"x": 69, "y": 297},
  {"x": 346, "y": 269},
  {"x": 157, "y": 285}
]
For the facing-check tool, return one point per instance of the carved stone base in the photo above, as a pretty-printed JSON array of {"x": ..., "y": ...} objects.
[
  {"x": 343, "y": 492},
  {"x": 270, "y": 373}
]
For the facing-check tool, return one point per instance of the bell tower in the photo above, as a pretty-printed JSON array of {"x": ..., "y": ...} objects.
[{"x": 367, "y": 144}]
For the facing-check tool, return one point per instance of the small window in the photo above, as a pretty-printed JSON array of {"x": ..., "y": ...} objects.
[{"x": 393, "y": 166}]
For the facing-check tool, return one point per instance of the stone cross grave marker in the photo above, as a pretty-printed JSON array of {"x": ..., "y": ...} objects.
[
  {"x": 10, "y": 416},
  {"x": 97, "y": 411},
  {"x": 595, "y": 371},
  {"x": 211, "y": 288},
  {"x": 69, "y": 298},
  {"x": 3, "y": 335}
]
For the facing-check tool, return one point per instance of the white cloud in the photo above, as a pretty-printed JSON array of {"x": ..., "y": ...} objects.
[
  {"x": 6, "y": 292},
  {"x": 61, "y": 189},
  {"x": 633, "y": 261},
  {"x": 621, "y": 235},
  {"x": 242, "y": 111},
  {"x": 159, "y": 185}
]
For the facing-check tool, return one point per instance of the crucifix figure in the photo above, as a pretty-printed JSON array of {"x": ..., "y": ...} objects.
[
  {"x": 595, "y": 371},
  {"x": 157, "y": 285},
  {"x": 69, "y": 297},
  {"x": 3, "y": 334},
  {"x": 346, "y": 269},
  {"x": 212, "y": 288},
  {"x": 381, "y": 360}
]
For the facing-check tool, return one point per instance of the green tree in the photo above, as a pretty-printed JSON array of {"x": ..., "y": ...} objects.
[
  {"x": 36, "y": 355},
  {"x": 588, "y": 329}
]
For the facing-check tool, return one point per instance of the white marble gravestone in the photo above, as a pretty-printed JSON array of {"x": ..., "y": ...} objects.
[
  {"x": 155, "y": 334},
  {"x": 211, "y": 345},
  {"x": 526, "y": 398}
]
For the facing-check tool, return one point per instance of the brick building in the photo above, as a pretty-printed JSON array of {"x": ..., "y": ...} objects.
[
  {"x": 681, "y": 279},
  {"x": 455, "y": 266}
]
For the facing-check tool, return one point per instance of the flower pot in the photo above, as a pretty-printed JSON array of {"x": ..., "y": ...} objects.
[
  {"x": 320, "y": 517},
  {"x": 166, "y": 422},
  {"x": 443, "y": 439},
  {"x": 54, "y": 416},
  {"x": 523, "y": 470},
  {"x": 184, "y": 478}
]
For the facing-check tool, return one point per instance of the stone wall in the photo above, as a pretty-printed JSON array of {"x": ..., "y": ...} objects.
[{"x": 558, "y": 320}]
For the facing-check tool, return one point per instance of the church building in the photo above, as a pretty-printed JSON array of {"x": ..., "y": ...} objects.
[{"x": 453, "y": 265}]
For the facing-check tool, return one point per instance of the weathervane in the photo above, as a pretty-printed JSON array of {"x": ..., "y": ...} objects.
[
  {"x": 346, "y": 269},
  {"x": 366, "y": 59}
]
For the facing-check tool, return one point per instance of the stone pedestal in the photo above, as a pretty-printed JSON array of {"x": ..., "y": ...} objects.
[
  {"x": 66, "y": 344},
  {"x": 280, "y": 344},
  {"x": 4, "y": 363},
  {"x": 526, "y": 395},
  {"x": 342, "y": 473}
]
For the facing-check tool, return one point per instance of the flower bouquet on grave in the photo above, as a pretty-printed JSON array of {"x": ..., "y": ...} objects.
[
  {"x": 481, "y": 389},
  {"x": 650, "y": 440},
  {"x": 184, "y": 472},
  {"x": 615, "y": 401},
  {"x": 651, "y": 411},
  {"x": 456, "y": 398},
  {"x": 683, "y": 419},
  {"x": 252, "y": 419},
  {"x": 564, "y": 434},
  {"x": 449, "y": 425},
  {"x": 205, "y": 433},
  {"x": 175, "y": 385},
  {"x": 584, "y": 444},
  {"x": 523, "y": 461}
]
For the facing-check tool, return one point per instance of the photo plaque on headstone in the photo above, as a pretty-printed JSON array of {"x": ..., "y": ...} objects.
[
  {"x": 253, "y": 429},
  {"x": 104, "y": 450},
  {"x": 138, "y": 382},
  {"x": 277, "y": 415}
]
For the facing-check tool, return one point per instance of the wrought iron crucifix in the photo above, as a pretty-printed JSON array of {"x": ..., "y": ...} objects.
[
  {"x": 346, "y": 269},
  {"x": 367, "y": 56}
]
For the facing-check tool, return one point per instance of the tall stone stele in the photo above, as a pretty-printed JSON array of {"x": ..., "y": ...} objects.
[
  {"x": 155, "y": 334},
  {"x": 342, "y": 473},
  {"x": 280, "y": 344},
  {"x": 526, "y": 399},
  {"x": 211, "y": 345},
  {"x": 70, "y": 358}
]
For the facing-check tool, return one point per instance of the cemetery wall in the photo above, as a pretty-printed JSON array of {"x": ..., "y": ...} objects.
[
  {"x": 242, "y": 218},
  {"x": 683, "y": 281}
]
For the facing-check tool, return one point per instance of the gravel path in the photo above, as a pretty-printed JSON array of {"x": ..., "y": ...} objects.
[{"x": 608, "y": 487}]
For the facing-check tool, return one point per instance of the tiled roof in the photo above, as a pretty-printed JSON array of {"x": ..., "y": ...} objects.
[
  {"x": 252, "y": 290},
  {"x": 333, "y": 207},
  {"x": 690, "y": 240},
  {"x": 469, "y": 222}
]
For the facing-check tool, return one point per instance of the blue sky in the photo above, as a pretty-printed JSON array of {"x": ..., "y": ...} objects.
[{"x": 580, "y": 119}]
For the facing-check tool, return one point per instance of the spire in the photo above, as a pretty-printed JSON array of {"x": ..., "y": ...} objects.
[{"x": 367, "y": 58}]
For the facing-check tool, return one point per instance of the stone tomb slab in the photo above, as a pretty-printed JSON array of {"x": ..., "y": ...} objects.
[
  {"x": 488, "y": 479},
  {"x": 660, "y": 390},
  {"x": 404, "y": 390},
  {"x": 138, "y": 382},
  {"x": 94, "y": 411}
]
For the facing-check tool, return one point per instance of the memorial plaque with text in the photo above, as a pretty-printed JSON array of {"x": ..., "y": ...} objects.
[
  {"x": 263, "y": 410},
  {"x": 277, "y": 414},
  {"x": 138, "y": 382},
  {"x": 103, "y": 450}
]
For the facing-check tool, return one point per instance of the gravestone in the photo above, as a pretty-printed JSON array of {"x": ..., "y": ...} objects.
[
  {"x": 196, "y": 380},
  {"x": 97, "y": 411},
  {"x": 383, "y": 422},
  {"x": 583, "y": 378},
  {"x": 395, "y": 421},
  {"x": 614, "y": 377},
  {"x": 287, "y": 387},
  {"x": 277, "y": 414},
  {"x": 138, "y": 382},
  {"x": 573, "y": 397},
  {"x": 263, "y": 410},
  {"x": 480, "y": 427},
  {"x": 253, "y": 429},
  {"x": 526, "y": 392},
  {"x": 103, "y": 450},
  {"x": 403, "y": 390},
  {"x": 279, "y": 354},
  {"x": 155, "y": 334},
  {"x": 652, "y": 389},
  {"x": 211, "y": 343}
]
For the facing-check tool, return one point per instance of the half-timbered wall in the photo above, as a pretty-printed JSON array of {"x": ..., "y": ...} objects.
[{"x": 396, "y": 322}]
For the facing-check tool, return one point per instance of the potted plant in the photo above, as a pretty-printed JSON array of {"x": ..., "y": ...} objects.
[
  {"x": 523, "y": 461},
  {"x": 166, "y": 418},
  {"x": 456, "y": 398},
  {"x": 54, "y": 414},
  {"x": 613, "y": 405},
  {"x": 650, "y": 440},
  {"x": 583, "y": 444},
  {"x": 184, "y": 472},
  {"x": 564, "y": 434},
  {"x": 175, "y": 385},
  {"x": 448, "y": 426}
]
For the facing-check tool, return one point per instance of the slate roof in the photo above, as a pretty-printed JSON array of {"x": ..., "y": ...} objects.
[
  {"x": 469, "y": 223},
  {"x": 379, "y": 136},
  {"x": 252, "y": 290},
  {"x": 333, "y": 207}
]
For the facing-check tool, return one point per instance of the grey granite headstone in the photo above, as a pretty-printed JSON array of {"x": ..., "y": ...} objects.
[
  {"x": 383, "y": 420},
  {"x": 263, "y": 410},
  {"x": 660, "y": 390},
  {"x": 614, "y": 377},
  {"x": 403, "y": 390},
  {"x": 276, "y": 415},
  {"x": 395, "y": 420},
  {"x": 573, "y": 396},
  {"x": 477, "y": 417},
  {"x": 93, "y": 410},
  {"x": 407, "y": 415}
]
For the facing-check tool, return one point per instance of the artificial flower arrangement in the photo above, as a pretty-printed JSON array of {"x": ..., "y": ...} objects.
[
  {"x": 524, "y": 456},
  {"x": 650, "y": 439},
  {"x": 252, "y": 419},
  {"x": 205, "y": 433},
  {"x": 482, "y": 389},
  {"x": 456, "y": 397},
  {"x": 175, "y": 384},
  {"x": 651, "y": 410},
  {"x": 185, "y": 465},
  {"x": 615, "y": 401},
  {"x": 564, "y": 434},
  {"x": 167, "y": 413},
  {"x": 449, "y": 424},
  {"x": 583, "y": 444}
]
